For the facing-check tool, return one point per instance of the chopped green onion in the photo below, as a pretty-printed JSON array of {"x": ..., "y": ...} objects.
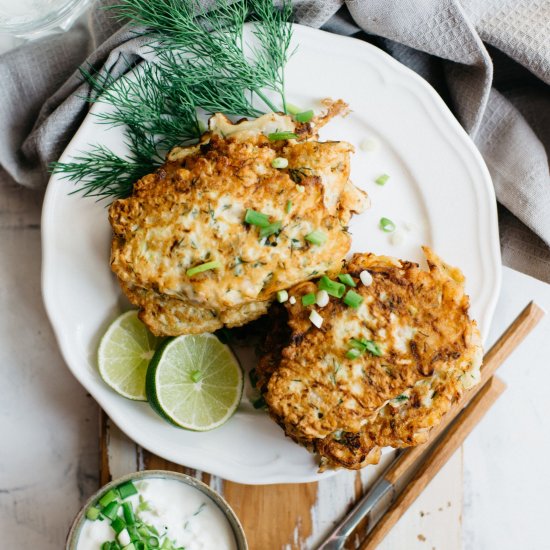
[
  {"x": 92, "y": 513},
  {"x": 118, "y": 525},
  {"x": 128, "y": 512},
  {"x": 347, "y": 279},
  {"x": 381, "y": 180},
  {"x": 144, "y": 531},
  {"x": 322, "y": 298},
  {"x": 279, "y": 136},
  {"x": 353, "y": 353},
  {"x": 366, "y": 277},
  {"x": 203, "y": 267},
  {"x": 292, "y": 109},
  {"x": 108, "y": 497},
  {"x": 387, "y": 225},
  {"x": 300, "y": 188},
  {"x": 153, "y": 542},
  {"x": 352, "y": 299},
  {"x": 124, "y": 539},
  {"x": 288, "y": 207},
  {"x": 282, "y": 296},
  {"x": 106, "y": 546},
  {"x": 111, "y": 510},
  {"x": 308, "y": 299},
  {"x": 279, "y": 162},
  {"x": 134, "y": 535},
  {"x": 196, "y": 376},
  {"x": 373, "y": 347},
  {"x": 256, "y": 218},
  {"x": 130, "y": 546},
  {"x": 366, "y": 345},
  {"x": 270, "y": 229},
  {"x": 360, "y": 345},
  {"x": 305, "y": 116},
  {"x": 316, "y": 237},
  {"x": 259, "y": 403},
  {"x": 315, "y": 318},
  {"x": 332, "y": 287},
  {"x": 127, "y": 490}
]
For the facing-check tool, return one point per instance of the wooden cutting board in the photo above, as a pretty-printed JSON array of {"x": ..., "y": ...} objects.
[{"x": 299, "y": 516}]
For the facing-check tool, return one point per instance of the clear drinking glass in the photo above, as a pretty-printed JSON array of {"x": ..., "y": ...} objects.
[{"x": 34, "y": 18}]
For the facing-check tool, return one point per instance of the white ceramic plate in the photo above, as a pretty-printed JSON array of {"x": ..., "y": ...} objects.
[{"x": 439, "y": 186}]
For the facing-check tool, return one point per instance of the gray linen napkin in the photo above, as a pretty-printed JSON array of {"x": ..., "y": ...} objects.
[{"x": 488, "y": 59}]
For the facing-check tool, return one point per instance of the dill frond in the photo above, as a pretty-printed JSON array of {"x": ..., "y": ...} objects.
[
  {"x": 200, "y": 62},
  {"x": 103, "y": 174}
]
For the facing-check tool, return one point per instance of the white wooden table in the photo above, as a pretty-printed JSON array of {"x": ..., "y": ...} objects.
[{"x": 491, "y": 495}]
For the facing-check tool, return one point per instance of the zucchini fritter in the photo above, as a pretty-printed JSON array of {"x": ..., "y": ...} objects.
[
  {"x": 418, "y": 351},
  {"x": 192, "y": 211}
]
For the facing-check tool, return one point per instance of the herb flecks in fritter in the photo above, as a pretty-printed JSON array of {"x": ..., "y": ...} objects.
[{"x": 379, "y": 372}]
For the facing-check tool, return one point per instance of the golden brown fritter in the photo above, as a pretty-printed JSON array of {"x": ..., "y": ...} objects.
[
  {"x": 192, "y": 211},
  {"x": 422, "y": 350}
]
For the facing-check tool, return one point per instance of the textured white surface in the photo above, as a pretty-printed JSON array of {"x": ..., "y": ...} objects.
[
  {"x": 48, "y": 424},
  {"x": 438, "y": 182},
  {"x": 506, "y": 477}
]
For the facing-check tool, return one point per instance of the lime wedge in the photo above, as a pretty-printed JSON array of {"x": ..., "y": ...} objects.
[
  {"x": 195, "y": 382},
  {"x": 124, "y": 354}
]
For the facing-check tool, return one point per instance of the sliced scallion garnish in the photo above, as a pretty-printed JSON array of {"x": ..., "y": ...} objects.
[
  {"x": 332, "y": 287},
  {"x": 92, "y": 513},
  {"x": 315, "y": 318},
  {"x": 366, "y": 345},
  {"x": 288, "y": 207},
  {"x": 316, "y": 237},
  {"x": 353, "y": 353},
  {"x": 305, "y": 116},
  {"x": 282, "y": 296},
  {"x": 127, "y": 490},
  {"x": 108, "y": 497},
  {"x": 111, "y": 510},
  {"x": 381, "y": 180},
  {"x": 373, "y": 347},
  {"x": 358, "y": 344},
  {"x": 279, "y": 136},
  {"x": 308, "y": 299},
  {"x": 118, "y": 525},
  {"x": 256, "y": 218},
  {"x": 387, "y": 225},
  {"x": 292, "y": 109},
  {"x": 128, "y": 512},
  {"x": 203, "y": 267},
  {"x": 270, "y": 229},
  {"x": 347, "y": 279},
  {"x": 124, "y": 539},
  {"x": 279, "y": 163},
  {"x": 352, "y": 299}
]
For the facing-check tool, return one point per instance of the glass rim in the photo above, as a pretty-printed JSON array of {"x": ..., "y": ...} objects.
[{"x": 43, "y": 24}]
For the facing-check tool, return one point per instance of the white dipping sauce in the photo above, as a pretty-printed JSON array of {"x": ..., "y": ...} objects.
[{"x": 188, "y": 517}]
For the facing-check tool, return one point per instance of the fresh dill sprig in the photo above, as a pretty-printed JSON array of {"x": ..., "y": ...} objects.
[
  {"x": 201, "y": 62},
  {"x": 101, "y": 173}
]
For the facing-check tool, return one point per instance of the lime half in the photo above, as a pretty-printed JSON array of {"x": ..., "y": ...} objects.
[
  {"x": 195, "y": 382},
  {"x": 124, "y": 354}
]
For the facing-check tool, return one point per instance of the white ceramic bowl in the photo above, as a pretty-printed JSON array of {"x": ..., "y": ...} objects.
[{"x": 78, "y": 523}]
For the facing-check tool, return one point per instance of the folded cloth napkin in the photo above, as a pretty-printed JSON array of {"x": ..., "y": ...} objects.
[{"x": 488, "y": 59}]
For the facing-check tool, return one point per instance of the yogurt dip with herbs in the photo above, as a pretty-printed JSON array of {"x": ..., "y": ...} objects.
[{"x": 155, "y": 513}]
